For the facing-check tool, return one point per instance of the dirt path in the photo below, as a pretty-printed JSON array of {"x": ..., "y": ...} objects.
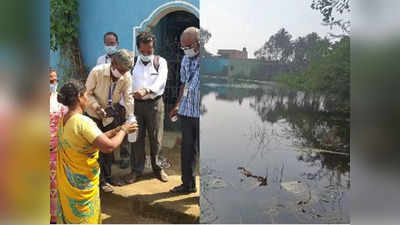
[{"x": 148, "y": 200}]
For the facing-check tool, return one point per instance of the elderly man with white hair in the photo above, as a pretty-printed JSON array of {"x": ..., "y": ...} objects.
[{"x": 188, "y": 109}]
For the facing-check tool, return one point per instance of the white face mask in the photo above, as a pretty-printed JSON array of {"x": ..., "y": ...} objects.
[
  {"x": 190, "y": 52},
  {"x": 146, "y": 58},
  {"x": 116, "y": 73},
  {"x": 110, "y": 49}
]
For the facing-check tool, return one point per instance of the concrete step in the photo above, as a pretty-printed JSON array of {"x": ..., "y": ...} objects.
[{"x": 150, "y": 199}]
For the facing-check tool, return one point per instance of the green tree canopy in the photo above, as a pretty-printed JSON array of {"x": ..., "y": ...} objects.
[
  {"x": 64, "y": 32},
  {"x": 307, "y": 48},
  {"x": 333, "y": 12},
  {"x": 296, "y": 53},
  {"x": 278, "y": 48},
  {"x": 327, "y": 75}
]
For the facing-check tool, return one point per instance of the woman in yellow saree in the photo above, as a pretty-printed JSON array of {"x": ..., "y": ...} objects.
[{"x": 79, "y": 142}]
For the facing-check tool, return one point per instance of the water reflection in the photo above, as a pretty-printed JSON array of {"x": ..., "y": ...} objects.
[
  {"x": 309, "y": 116},
  {"x": 282, "y": 135}
]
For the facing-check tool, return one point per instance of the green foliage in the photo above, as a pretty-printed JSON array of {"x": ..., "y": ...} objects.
[
  {"x": 291, "y": 79},
  {"x": 332, "y": 10},
  {"x": 281, "y": 51},
  {"x": 308, "y": 48},
  {"x": 327, "y": 75},
  {"x": 278, "y": 48},
  {"x": 64, "y": 21}
]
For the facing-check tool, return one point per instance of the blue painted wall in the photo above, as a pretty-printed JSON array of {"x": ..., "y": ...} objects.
[
  {"x": 120, "y": 16},
  {"x": 241, "y": 68},
  {"x": 213, "y": 65}
]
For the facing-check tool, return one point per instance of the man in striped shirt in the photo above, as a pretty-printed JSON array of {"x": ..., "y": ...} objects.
[{"x": 188, "y": 109}]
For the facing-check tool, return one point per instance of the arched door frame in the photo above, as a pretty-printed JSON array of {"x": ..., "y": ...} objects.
[{"x": 161, "y": 11}]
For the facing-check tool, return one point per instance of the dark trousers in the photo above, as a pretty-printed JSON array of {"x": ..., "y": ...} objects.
[
  {"x": 189, "y": 150},
  {"x": 106, "y": 160},
  {"x": 150, "y": 117}
]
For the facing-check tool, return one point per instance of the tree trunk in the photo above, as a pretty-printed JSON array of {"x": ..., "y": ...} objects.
[{"x": 74, "y": 68}]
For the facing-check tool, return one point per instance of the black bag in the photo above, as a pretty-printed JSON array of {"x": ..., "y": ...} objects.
[{"x": 117, "y": 111}]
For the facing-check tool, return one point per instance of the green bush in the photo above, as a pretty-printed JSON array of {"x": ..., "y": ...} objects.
[{"x": 327, "y": 75}]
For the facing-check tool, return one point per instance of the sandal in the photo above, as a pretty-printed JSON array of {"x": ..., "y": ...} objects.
[
  {"x": 116, "y": 182},
  {"x": 106, "y": 187},
  {"x": 130, "y": 178}
]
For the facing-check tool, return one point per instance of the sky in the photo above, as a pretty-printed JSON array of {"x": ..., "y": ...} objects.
[{"x": 235, "y": 24}]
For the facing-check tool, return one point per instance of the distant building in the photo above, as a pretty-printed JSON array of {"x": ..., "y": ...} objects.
[{"x": 233, "y": 53}]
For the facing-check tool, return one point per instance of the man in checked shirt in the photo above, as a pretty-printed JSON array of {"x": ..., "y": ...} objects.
[{"x": 188, "y": 109}]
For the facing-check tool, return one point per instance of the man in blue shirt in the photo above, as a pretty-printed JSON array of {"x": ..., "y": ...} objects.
[{"x": 188, "y": 109}]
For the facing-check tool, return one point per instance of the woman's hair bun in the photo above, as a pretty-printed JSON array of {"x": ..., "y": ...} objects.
[
  {"x": 69, "y": 92},
  {"x": 60, "y": 98}
]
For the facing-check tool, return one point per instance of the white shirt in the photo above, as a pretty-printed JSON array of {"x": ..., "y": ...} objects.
[
  {"x": 103, "y": 59},
  {"x": 55, "y": 106},
  {"x": 146, "y": 76}
]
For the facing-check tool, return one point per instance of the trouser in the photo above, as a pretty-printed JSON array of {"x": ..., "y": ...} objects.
[
  {"x": 106, "y": 160},
  {"x": 150, "y": 117},
  {"x": 189, "y": 149},
  {"x": 124, "y": 149}
]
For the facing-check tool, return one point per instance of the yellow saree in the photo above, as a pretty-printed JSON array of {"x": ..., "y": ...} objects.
[{"x": 78, "y": 172}]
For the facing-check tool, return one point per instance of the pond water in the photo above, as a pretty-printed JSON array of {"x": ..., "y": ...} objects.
[{"x": 271, "y": 155}]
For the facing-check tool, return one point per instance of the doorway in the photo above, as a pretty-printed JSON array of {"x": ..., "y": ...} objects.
[{"x": 167, "y": 32}]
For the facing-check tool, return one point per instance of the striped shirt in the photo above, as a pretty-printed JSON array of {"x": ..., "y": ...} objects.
[{"x": 190, "y": 76}]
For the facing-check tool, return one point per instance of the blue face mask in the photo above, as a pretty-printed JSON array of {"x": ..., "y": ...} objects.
[
  {"x": 53, "y": 88},
  {"x": 110, "y": 49},
  {"x": 146, "y": 58}
]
